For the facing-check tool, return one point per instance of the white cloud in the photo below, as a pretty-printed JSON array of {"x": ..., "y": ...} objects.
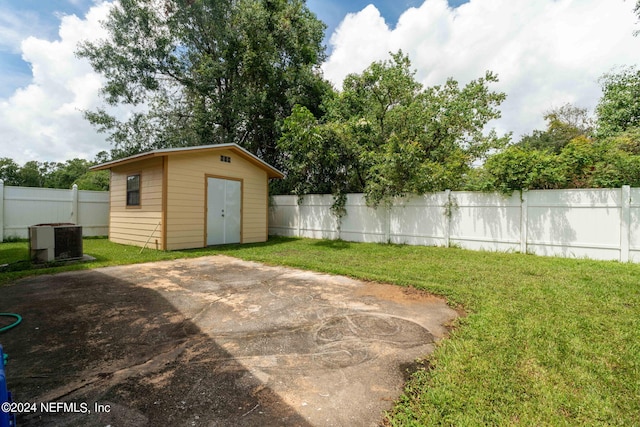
[
  {"x": 44, "y": 121},
  {"x": 546, "y": 53}
]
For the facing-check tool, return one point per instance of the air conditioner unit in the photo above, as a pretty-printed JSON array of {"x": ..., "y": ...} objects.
[{"x": 50, "y": 242}]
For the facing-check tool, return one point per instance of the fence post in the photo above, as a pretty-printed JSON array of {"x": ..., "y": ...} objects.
[
  {"x": 387, "y": 223},
  {"x": 298, "y": 219},
  {"x": 524, "y": 214},
  {"x": 1, "y": 211},
  {"x": 338, "y": 219},
  {"x": 447, "y": 213},
  {"x": 625, "y": 223},
  {"x": 74, "y": 204}
]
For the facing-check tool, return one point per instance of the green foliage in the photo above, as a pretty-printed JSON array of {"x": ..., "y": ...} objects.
[
  {"x": 569, "y": 153},
  {"x": 386, "y": 136},
  {"x": 540, "y": 140},
  {"x": 628, "y": 141},
  {"x": 317, "y": 155},
  {"x": 9, "y": 171},
  {"x": 620, "y": 161},
  {"x": 65, "y": 174},
  {"x": 96, "y": 181},
  {"x": 478, "y": 179},
  {"x": 55, "y": 175},
  {"x": 516, "y": 168},
  {"x": 34, "y": 173},
  {"x": 207, "y": 71},
  {"x": 582, "y": 163},
  {"x": 579, "y": 158},
  {"x": 619, "y": 107},
  {"x": 563, "y": 124}
]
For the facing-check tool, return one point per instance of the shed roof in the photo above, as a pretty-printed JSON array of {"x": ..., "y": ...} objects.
[{"x": 271, "y": 171}]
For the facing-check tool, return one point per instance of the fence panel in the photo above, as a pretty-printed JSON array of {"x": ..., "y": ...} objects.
[
  {"x": 586, "y": 223},
  {"x": 575, "y": 223},
  {"x": 283, "y": 216},
  {"x": 25, "y": 206},
  {"x": 634, "y": 225},
  {"x": 362, "y": 223},
  {"x": 420, "y": 220},
  {"x": 21, "y": 207},
  {"x": 481, "y": 221},
  {"x": 315, "y": 218},
  {"x": 93, "y": 212}
]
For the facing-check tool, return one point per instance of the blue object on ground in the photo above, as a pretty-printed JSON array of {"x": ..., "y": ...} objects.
[{"x": 6, "y": 419}]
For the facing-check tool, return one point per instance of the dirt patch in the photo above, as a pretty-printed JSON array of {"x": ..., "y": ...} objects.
[
  {"x": 213, "y": 341},
  {"x": 404, "y": 295}
]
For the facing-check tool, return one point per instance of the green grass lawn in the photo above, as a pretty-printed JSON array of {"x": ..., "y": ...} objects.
[{"x": 547, "y": 341}]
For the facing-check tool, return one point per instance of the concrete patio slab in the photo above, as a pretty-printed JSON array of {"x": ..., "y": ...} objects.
[{"x": 215, "y": 341}]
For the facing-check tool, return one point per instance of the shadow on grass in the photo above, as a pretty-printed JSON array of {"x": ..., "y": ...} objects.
[
  {"x": 273, "y": 241},
  {"x": 332, "y": 244}
]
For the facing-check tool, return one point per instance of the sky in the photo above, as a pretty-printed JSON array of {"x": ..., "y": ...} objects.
[{"x": 545, "y": 52}]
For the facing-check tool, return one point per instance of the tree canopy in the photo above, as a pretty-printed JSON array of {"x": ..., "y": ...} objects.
[
  {"x": 206, "y": 71},
  {"x": 570, "y": 153},
  {"x": 55, "y": 175},
  {"x": 198, "y": 72},
  {"x": 619, "y": 107},
  {"x": 386, "y": 135},
  {"x": 564, "y": 123}
]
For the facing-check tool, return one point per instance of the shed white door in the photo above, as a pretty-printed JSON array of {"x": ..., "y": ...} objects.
[{"x": 223, "y": 211}]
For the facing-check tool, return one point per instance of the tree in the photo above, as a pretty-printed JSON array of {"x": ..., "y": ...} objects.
[
  {"x": 619, "y": 107},
  {"x": 65, "y": 174},
  {"x": 318, "y": 158},
  {"x": 34, "y": 173},
  {"x": 207, "y": 71},
  {"x": 56, "y": 175},
  {"x": 563, "y": 124},
  {"x": 620, "y": 161},
  {"x": 583, "y": 163},
  {"x": 517, "y": 168},
  {"x": 95, "y": 180},
  {"x": 627, "y": 141},
  {"x": 9, "y": 171},
  {"x": 387, "y": 136}
]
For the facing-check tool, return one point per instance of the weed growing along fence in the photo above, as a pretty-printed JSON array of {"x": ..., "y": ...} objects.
[{"x": 586, "y": 223}]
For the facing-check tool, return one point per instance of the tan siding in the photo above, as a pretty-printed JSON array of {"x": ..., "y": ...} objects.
[
  {"x": 184, "y": 200},
  {"x": 186, "y": 196},
  {"x": 134, "y": 226}
]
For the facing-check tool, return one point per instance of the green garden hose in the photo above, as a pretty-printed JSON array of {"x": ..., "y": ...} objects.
[{"x": 14, "y": 324}]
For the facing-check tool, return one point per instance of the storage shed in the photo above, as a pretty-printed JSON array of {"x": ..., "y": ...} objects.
[{"x": 191, "y": 197}]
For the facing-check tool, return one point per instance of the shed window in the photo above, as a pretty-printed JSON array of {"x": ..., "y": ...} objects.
[{"x": 133, "y": 190}]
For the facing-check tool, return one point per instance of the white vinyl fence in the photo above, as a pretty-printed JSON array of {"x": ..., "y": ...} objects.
[
  {"x": 595, "y": 223},
  {"x": 21, "y": 207}
]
